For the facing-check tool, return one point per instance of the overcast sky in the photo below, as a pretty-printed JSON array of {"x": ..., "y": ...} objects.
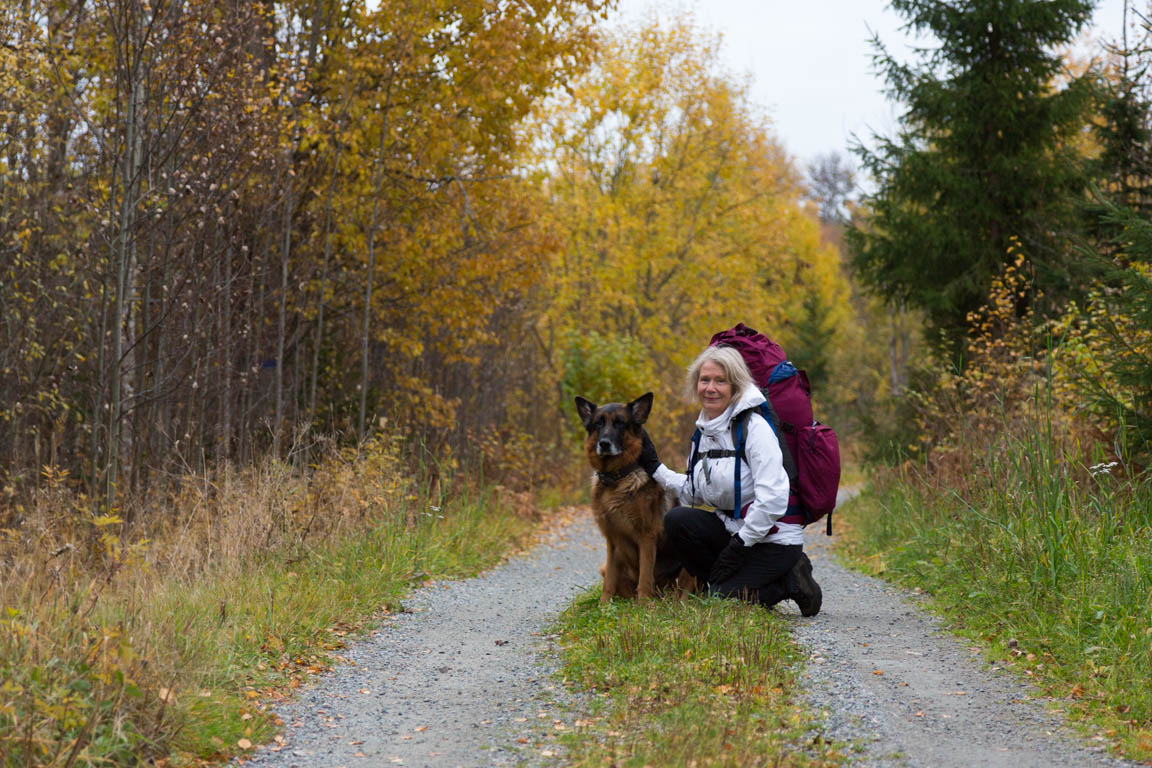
[{"x": 810, "y": 61}]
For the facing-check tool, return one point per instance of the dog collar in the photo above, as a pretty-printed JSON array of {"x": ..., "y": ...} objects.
[{"x": 610, "y": 479}]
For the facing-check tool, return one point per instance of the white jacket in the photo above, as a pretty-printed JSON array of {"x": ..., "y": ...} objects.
[{"x": 763, "y": 481}]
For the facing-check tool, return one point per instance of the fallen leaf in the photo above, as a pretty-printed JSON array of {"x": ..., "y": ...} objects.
[
  {"x": 420, "y": 728},
  {"x": 522, "y": 740},
  {"x": 877, "y": 671},
  {"x": 244, "y": 744}
]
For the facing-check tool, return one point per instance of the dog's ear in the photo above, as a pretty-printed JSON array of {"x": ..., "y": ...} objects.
[
  {"x": 641, "y": 407},
  {"x": 586, "y": 409}
]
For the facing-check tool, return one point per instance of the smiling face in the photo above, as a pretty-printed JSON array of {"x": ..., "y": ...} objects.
[{"x": 713, "y": 389}]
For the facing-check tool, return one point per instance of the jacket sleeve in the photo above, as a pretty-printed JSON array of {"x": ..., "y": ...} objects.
[
  {"x": 770, "y": 481},
  {"x": 673, "y": 481}
]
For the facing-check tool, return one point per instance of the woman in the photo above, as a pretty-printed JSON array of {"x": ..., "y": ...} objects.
[{"x": 750, "y": 556}]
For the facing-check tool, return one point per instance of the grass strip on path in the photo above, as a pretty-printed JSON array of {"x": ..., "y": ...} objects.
[{"x": 693, "y": 682}]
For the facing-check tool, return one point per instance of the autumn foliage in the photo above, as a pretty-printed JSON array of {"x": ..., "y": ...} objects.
[
  {"x": 231, "y": 230},
  {"x": 226, "y": 228},
  {"x": 677, "y": 216}
]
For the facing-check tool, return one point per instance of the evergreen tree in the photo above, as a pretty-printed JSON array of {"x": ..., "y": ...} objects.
[
  {"x": 1117, "y": 321},
  {"x": 1117, "y": 331},
  {"x": 983, "y": 154},
  {"x": 1123, "y": 169}
]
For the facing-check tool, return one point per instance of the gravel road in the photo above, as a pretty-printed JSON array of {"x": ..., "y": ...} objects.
[
  {"x": 907, "y": 694},
  {"x": 462, "y": 679},
  {"x": 457, "y": 680}
]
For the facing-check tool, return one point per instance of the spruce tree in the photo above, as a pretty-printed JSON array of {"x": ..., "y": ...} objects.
[
  {"x": 983, "y": 154},
  {"x": 1123, "y": 169},
  {"x": 1118, "y": 320}
]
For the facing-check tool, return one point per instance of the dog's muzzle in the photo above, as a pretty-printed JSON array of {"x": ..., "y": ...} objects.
[{"x": 607, "y": 448}]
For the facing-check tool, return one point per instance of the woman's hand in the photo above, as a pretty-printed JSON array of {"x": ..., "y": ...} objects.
[
  {"x": 730, "y": 561},
  {"x": 649, "y": 460}
]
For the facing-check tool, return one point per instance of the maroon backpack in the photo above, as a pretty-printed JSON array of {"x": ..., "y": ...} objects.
[{"x": 810, "y": 449}]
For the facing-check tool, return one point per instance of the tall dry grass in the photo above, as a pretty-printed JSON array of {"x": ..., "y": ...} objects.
[{"x": 122, "y": 641}]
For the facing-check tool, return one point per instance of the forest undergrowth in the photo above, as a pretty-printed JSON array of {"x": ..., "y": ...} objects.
[{"x": 168, "y": 640}]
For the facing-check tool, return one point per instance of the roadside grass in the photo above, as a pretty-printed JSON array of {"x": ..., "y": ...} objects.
[
  {"x": 694, "y": 682},
  {"x": 167, "y": 640},
  {"x": 1045, "y": 562}
]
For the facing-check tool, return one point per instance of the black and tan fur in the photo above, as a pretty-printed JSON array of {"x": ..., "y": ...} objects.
[{"x": 628, "y": 505}]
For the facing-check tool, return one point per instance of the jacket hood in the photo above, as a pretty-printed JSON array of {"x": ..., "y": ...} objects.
[{"x": 750, "y": 398}]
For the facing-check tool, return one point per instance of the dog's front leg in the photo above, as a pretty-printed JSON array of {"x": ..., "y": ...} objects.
[
  {"x": 646, "y": 587},
  {"x": 611, "y": 573}
]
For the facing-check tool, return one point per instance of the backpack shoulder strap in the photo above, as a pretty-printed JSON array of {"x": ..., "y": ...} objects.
[
  {"x": 739, "y": 438},
  {"x": 766, "y": 410},
  {"x": 693, "y": 457}
]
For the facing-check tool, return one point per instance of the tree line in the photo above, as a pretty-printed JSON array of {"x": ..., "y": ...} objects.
[
  {"x": 231, "y": 230},
  {"x": 1010, "y": 152},
  {"x": 235, "y": 230}
]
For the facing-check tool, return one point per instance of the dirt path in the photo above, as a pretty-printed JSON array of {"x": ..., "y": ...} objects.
[{"x": 911, "y": 696}]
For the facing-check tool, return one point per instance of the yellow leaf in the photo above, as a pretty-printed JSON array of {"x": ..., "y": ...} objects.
[{"x": 104, "y": 520}]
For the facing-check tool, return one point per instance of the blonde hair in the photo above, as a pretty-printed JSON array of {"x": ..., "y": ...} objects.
[{"x": 730, "y": 361}]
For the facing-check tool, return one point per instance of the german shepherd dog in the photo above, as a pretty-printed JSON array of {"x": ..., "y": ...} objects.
[{"x": 628, "y": 504}]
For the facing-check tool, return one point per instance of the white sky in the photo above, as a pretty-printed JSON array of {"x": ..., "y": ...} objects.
[{"x": 810, "y": 61}]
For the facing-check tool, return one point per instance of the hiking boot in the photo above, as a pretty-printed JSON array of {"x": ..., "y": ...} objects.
[{"x": 803, "y": 589}]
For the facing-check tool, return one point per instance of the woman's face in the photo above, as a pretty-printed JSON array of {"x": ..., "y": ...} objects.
[{"x": 713, "y": 389}]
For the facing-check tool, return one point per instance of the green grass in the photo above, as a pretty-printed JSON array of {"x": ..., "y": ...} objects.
[
  {"x": 697, "y": 682},
  {"x": 1047, "y": 565}
]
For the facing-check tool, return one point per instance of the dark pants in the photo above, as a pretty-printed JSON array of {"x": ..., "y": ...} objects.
[{"x": 694, "y": 539}]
